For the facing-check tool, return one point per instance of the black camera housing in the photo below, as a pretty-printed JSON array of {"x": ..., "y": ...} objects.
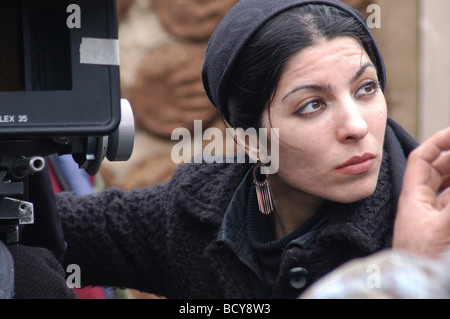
[
  {"x": 60, "y": 81},
  {"x": 48, "y": 90}
]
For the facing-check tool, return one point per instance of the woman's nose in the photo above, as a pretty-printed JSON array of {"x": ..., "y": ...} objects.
[{"x": 352, "y": 126}]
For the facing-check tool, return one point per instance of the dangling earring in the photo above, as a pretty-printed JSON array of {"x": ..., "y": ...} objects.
[{"x": 263, "y": 191}]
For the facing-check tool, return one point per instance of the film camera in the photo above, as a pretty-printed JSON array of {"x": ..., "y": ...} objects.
[{"x": 59, "y": 94}]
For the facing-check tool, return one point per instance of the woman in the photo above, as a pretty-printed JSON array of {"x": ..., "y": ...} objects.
[{"x": 311, "y": 69}]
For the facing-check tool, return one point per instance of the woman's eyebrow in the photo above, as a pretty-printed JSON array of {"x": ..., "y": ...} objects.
[
  {"x": 314, "y": 87},
  {"x": 317, "y": 87},
  {"x": 361, "y": 71}
]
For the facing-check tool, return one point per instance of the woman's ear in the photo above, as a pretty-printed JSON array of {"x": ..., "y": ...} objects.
[
  {"x": 262, "y": 146},
  {"x": 256, "y": 145},
  {"x": 248, "y": 140}
]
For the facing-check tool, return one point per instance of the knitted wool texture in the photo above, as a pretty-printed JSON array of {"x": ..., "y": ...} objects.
[{"x": 38, "y": 275}]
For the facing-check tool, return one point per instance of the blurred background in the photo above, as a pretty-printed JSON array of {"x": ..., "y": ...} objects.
[{"x": 163, "y": 42}]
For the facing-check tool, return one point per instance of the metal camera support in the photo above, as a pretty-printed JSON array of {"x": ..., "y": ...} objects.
[
  {"x": 15, "y": 169},
  {"x": 15, "y": 212}
]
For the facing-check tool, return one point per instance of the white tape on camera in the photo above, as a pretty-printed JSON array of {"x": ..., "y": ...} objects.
[{"x": 99, "y": 51}]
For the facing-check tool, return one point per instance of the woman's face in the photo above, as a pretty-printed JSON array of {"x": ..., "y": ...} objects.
[{"x": 331, "y": 116}]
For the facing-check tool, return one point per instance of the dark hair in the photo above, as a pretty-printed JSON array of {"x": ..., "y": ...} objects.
[{"x": 260, "y": 64}]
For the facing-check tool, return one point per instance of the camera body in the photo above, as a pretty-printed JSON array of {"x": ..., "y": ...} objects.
[
  {"x": 59, "y": 91},
  {"x": 60, "y": 80}
]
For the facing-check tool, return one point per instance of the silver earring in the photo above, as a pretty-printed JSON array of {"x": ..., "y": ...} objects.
[{"x": 263, "y": 194}]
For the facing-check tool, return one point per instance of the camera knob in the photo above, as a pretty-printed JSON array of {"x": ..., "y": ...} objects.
[{"x": 121, "y": 141}]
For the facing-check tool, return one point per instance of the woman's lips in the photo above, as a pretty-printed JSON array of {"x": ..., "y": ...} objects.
[{"x": 357, "y": 164}]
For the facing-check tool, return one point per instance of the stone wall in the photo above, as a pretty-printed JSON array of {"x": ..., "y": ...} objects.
[
  {"x": 434, "y": 102},
  {"x": 398, "y": 38}
]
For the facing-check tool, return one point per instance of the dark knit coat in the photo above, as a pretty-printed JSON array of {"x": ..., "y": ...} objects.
[
  {"x": 163, "y": 239},
  {"x": 38, "y": 274}
]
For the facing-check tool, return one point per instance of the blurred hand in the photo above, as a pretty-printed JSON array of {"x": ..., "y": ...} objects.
[{"x": 422, "y": 224}]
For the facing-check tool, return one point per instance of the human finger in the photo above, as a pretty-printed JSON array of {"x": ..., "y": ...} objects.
[
  {"x": 434, "y": 146},
  {"x": 443, "y": 199},
  {"x": 442, "y": 163},
  {"x": 445, "y": 183},
  {"x": 420, "y": 169}
]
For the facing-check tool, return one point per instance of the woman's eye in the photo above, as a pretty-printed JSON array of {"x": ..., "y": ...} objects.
[
  {"x": 367, "y": 89},
  {"x": 311, "y": 107}
]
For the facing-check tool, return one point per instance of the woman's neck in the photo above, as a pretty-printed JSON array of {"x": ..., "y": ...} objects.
[{"x": 292, "y": 207}]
